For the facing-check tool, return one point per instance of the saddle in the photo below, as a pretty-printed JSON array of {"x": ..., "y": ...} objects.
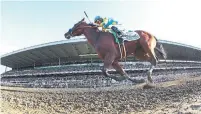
[
  {"x": 117, "y": 39},
  {"x": 128, "y": 36}
]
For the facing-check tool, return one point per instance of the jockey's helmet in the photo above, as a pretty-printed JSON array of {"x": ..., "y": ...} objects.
[{"x": 98, "y": 18}]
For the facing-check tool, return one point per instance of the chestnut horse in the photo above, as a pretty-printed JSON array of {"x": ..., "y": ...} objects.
[{"x": 107, "y": 50}]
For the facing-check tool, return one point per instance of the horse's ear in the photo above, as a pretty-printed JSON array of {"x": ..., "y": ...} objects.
[{"x": 83, "y": 19}]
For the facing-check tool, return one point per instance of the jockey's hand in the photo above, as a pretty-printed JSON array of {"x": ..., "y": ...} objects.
[
  {"x": 97, "y": 24},
  {"x": 94, "y": 24}
]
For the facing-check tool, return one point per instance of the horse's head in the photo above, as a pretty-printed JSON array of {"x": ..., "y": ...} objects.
[{"x": 76, "y": 30}]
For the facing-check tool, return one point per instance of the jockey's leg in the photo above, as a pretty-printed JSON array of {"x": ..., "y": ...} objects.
[
  {"x": 119, "y": 34},
  {"x": 115, "y": 29}
]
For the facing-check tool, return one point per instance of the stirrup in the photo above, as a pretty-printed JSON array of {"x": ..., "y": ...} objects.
[
  {"x": 121, "y": 42},
  {"x": 119, "y": 36}
]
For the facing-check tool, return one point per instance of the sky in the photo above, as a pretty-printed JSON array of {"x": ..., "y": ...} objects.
[{"x": 25, "y": 24}]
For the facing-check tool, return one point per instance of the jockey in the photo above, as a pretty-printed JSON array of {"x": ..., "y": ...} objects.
[{"x": 105, "y": 24}]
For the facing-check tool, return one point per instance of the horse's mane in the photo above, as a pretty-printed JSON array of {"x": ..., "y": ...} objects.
[{"x": 96, "y": 27}]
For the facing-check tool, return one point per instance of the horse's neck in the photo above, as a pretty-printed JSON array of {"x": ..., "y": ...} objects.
[{"x": 92, "y": 35}]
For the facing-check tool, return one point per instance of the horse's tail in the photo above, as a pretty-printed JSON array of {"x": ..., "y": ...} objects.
[{"x": 159, "y": 48}]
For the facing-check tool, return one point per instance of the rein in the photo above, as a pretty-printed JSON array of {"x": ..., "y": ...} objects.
[{"x": 84, "y": 27}]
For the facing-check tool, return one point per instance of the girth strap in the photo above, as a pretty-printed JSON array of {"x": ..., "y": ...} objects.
[{"x": 122, "y": 50}]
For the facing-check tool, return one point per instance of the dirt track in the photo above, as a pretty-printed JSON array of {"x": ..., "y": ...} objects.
[{"x": 180, "y": 96}]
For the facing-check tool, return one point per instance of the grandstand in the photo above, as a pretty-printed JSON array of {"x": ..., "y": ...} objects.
[{"x": 77, "y": 50}]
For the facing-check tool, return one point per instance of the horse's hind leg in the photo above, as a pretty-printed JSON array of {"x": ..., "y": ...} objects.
[
  {"x": 150, "y": 73},
  {"x": 153, "y": 62},
  {"x": 148, "y": 47},
  {"x": 154, "y": 59}
]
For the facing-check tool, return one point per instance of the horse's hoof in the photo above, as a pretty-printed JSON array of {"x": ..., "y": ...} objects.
[
  {"x": 121, "y": 78},
  {"x": 118, "y": 79},
  {"x": 148, "y": 86},
  {"x": 137, "y": 81},
  {"x": 150, "y": 81}
]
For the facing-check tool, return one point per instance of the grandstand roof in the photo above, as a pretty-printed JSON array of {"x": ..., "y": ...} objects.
[{"x": 78, "y": 49}]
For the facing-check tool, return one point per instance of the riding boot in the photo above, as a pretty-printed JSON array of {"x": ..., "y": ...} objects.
[
  {"x": 115, "y": 29},
  {"x": 119, "y": 34},
  {"x": 120, "y": 40}
]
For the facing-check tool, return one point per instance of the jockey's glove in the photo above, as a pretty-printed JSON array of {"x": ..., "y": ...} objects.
[{"x": 94, "y": 24}]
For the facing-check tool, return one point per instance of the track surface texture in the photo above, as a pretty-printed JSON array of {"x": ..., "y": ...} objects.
[{"x": 181, "y": 96}]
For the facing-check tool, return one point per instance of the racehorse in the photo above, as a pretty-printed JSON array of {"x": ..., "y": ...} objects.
[{"x": 103, "y": 42}]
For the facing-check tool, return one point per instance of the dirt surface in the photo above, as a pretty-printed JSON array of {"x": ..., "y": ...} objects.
[{"x": 176, "y": 97}]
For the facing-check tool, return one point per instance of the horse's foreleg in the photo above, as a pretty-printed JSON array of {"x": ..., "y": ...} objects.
[
  {"x": 120, "y": 70},
  {"x": 108, "y": 60},
  {"x": 124, "y": 75}
]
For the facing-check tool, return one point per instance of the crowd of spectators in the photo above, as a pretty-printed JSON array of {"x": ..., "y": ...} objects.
[
  {"x": 93, "y": 81},
  {"x": 58, "y": 76},
  {"x": 80, "y": 68}
]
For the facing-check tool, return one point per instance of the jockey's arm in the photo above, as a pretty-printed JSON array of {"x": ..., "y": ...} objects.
[
  {"x": 106, "y": 24},
  {"x": 110, "y": 22},
  {"x": 100, "y": 26},
  {"x": 94, "y": 24}
]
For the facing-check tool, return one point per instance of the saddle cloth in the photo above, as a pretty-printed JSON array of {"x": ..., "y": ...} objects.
[
  {"x": 128, "y": 36},
  {"x": 131, "y": 35}
]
